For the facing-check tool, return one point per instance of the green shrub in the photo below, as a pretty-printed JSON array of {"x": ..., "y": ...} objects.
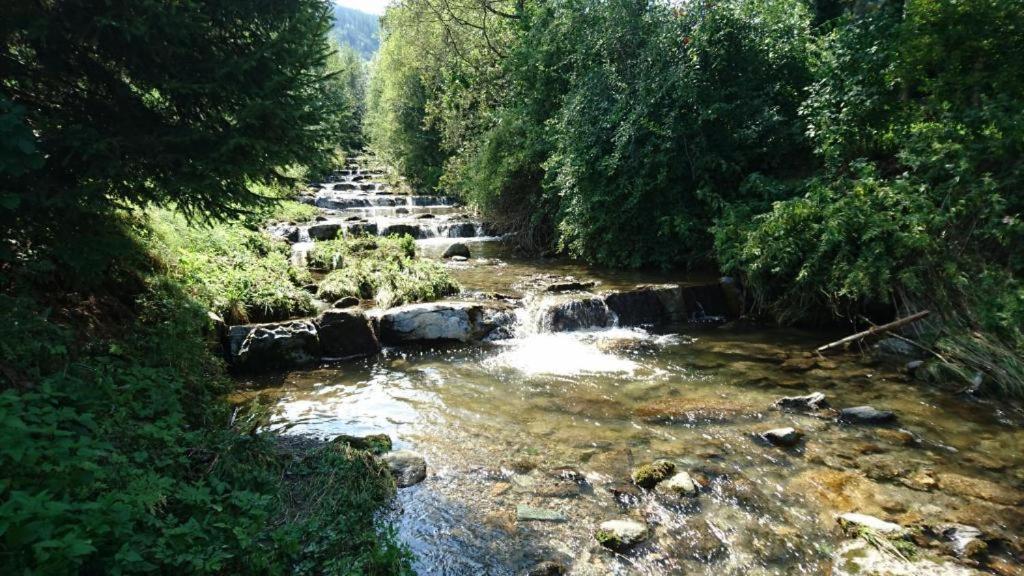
[
  {"x": 382, "y": 269},
  {"x": 241, "y": 274}
]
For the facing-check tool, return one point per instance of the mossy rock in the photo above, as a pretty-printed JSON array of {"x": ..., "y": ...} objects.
[
  {"x": 375, "y": 443},
  {"x": 608, "y": 540},
  {"x": 648, "y": 475},
  {"x": 621, "y": 535}
]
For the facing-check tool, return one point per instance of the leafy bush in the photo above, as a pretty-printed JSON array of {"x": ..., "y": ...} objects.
[
  {"x": 383, "y": 269},
  {"x": 241, "y": 274}
]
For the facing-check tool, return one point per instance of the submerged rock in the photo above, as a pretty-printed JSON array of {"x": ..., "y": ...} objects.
[
  {"x": 980, "y": 488},
  {"x": 408, "y": 467},
  {"x": 527, "y": 513},
  {"x": 456, "y": 249},
  {"x": 866, "y": 415},
  {"x": 811, "y": 402},
  {"x": 853, "y": 521},
  {"x": 275, "y": 346},
  {"x": 698, "y": 540},
  {"x": 680, "y": 484},
  {"x": 346, "y": 333},
  {"x": 376, "y": 443},
  {"x": 786, "y": 437},
  {"x": 897, "y": 347},
  {"x": 648, "y": 475},
  {"x": 458, "y": 321},
  {"x": 682, "y": 410},
  {"x": 620, "y": 535},
  {"x": 858, "y": 557}
]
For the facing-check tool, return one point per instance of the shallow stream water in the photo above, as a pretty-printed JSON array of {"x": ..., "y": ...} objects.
[{"x": 556, "y": 421}]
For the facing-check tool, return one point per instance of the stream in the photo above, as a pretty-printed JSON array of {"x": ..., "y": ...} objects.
[{"x": 549, "y": 424}]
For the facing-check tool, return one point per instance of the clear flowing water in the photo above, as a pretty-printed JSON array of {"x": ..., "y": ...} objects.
[{"x": 556, "y": 421}]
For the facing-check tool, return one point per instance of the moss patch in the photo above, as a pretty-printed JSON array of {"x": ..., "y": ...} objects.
[
  {"x": 382, "y": 269},
  {"x": 648, "y": 475}
]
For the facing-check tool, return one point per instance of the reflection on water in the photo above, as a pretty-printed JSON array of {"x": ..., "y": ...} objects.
[{"x": 501, "y": 423}]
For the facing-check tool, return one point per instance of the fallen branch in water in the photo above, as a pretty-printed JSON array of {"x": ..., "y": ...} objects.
[{"x": 874, "y": 330}]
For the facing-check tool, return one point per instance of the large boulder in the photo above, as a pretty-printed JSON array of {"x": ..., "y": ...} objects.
[
  {"x": 346, "y": 333},
  {"x": 325, "y": 231},
  {"x": 559, "y": 314},
  {"x": 460, "y": 230},
  {"x": 647, "y": 305},
  {"x": 441, "y": 321},
  {"x": 276, "y": 346},
  {"x": 361, "y": 228},
  {"x": 286, "y": 232},
  {"x": 401, "y": 229},
  {"x": 701, "y": 304},
  {"x": 456, "y": 249}
]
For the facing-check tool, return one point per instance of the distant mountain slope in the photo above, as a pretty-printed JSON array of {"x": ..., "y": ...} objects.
[{"x": 357, "y": 29}]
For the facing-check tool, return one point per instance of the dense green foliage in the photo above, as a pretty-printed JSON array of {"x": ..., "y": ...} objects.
[
  {"x": 242, "y": 275},
  {"x": 844, "y": 158},
  {"x": 119, "y": 452},
  {"x": 355, "y": 29},
  {"x": 385, "y": 270},
  {"x": 119, "y": 457}
]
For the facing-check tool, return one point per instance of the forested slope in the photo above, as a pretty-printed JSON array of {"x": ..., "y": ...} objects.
[
  {"x": 359, "y": 30},
  {"x": 848, "y": 160}
]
